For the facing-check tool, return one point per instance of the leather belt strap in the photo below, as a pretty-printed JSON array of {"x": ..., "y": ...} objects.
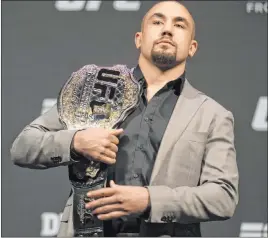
[{"x": 85, "y": 223}]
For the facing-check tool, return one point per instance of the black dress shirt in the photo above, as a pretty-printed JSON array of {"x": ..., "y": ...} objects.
[{"x": 139, "y": 144}]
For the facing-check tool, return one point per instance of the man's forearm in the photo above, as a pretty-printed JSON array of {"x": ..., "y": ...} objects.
[
  {"x": 217, "y": 196},
  {"x": 39, "y": 149},
  {"x": 209, "y": 202},
  {"x": 43, "y": 143}
]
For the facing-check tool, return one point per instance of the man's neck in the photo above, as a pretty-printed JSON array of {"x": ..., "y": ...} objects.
[{"x": 153, "y": 75}]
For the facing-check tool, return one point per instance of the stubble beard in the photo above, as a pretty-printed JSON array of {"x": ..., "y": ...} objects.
[{"x": 164, "y": 60}]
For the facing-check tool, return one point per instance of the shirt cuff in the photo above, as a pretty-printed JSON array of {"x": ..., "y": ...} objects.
[{"x": 75, "y": 156}]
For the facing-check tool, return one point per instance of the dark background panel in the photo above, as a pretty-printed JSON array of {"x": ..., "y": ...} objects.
[{"x": 42, "y": 46}]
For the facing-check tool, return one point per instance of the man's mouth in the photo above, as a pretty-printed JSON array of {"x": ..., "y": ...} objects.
[{"x": 166, "y": 42}]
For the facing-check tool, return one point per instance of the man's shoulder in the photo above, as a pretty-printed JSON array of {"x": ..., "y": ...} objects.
[
  {"x": 212, "y": 104},
  {"x": 216, "y": 105}
]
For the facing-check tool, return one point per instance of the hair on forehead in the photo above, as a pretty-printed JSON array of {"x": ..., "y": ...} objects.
[{"x": 180, "y": 2}]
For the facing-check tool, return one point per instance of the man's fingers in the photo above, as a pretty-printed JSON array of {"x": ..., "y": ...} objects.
[
  {"x": 105, "y": 159},
  {"x": 104, "y": 201},
  {"x": 112, "y": 215},
  {"x": 116, "y": 132},
  {"x": 113, "y": 139},
  {"x": 112, "y": 184},
  {"x": 102, "y": 192},
  {"x": 109, "y": 153},
  {"x": 108, "y": 208},
  {"x": 113, "y": 147}
]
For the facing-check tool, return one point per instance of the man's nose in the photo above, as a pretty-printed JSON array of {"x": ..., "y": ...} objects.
[
  {"x": 167, "y": 30},
  {"x": 167, "y": 33}
]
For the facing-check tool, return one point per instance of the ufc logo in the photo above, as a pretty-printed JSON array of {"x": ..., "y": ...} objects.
[
  {"x": 259, "y": 122},
  {"x": 95, "y": 5},
  {"x": 47, "y": 104},
  {"x": 105, "y": 92},
  {"x": 106, "y": 85},
  {"x": 253, "y": 229}
]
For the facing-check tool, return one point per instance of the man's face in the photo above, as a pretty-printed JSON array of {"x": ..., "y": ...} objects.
[{"x": 166, "y": 37}]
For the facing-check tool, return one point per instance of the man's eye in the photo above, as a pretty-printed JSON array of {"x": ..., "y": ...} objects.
[
  {"x": 157, "y": 22},
  {"x": 179, "y": 25}
]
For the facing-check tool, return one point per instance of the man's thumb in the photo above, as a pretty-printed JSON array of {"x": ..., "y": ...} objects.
[
  {"x": 112, "y": 184},
  {"x": 117, "y": 132}
]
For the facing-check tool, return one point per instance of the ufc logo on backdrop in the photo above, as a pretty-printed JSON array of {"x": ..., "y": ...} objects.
[
  {"x": 259, "y": 122},
  {"x": 253, "y": 229},
  {"x": 47, "y": 104},
  {"x": 95, "y": 5}
]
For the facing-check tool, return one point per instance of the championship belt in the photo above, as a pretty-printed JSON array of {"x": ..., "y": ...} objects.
[{"x": 94, "y": 97}]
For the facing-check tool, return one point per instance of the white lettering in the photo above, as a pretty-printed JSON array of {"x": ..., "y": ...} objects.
[
  {"x": 250, "y": 7},
  {"x": 47, "y": 104},
  {"x": 256, "y": 7},
  {"x": 253, "y": 229},
  {"x": 265, "y": 7},
  {"x": 259, "y": 122},
  {"x": 95, "y": 5},
  {"x": 50, "y": 224},
  {"x": 265, "y": 230},
  {"x": 70, "y": 5},
  {"x": 127, "y": 5}
]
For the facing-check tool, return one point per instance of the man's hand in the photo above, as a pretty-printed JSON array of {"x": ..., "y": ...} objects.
[
  {"x": 118, "y": 201},
  {"x": 98, "y": 143}
]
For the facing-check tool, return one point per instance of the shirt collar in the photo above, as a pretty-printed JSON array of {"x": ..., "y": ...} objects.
[{"x": 176, "y": 84}]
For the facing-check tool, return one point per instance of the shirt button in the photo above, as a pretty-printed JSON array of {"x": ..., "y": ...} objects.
[
  {"x": 146, "y": 119},
  {"x": 164, "y": 219},
  {"x": 80, "y": 175},
  {"x": 140, "y": 147}
]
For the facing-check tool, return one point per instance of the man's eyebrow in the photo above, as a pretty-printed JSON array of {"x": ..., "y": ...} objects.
[
  {"x": 158, "y": 14},
  {"x": 182, "y": 19}
]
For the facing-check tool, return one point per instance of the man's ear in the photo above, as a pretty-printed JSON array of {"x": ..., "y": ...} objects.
[
  {"x": 193, "y": 48},
  {"x": 138, "y": 40}
]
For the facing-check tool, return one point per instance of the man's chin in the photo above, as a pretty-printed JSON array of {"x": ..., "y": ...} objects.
[{"x": 163, "y": 61}]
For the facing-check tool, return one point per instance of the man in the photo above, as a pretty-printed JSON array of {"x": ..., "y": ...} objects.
[{"x": 174, "y": 160}]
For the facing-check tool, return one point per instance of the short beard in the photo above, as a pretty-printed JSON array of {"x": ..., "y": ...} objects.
[{"x": 164, "y": 61}]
